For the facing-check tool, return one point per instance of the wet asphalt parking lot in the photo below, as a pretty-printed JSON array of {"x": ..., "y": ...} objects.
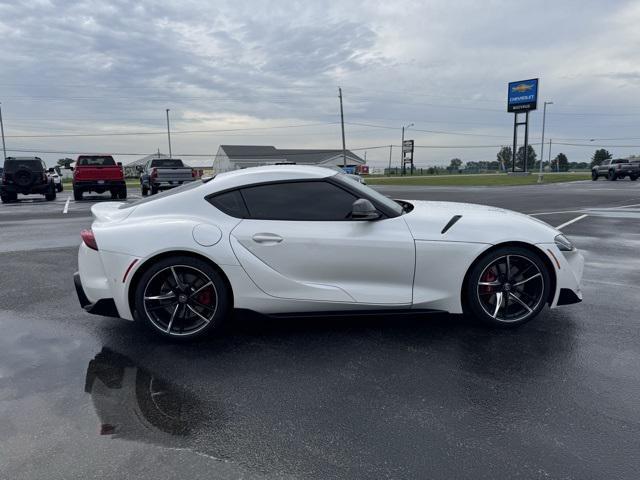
[{"x": 379, "y": 397}]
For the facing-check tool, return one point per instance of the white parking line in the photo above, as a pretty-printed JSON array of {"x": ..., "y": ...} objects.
[
  {"x": 66, "y": 205},
  {"x": 577, "y": 219}
]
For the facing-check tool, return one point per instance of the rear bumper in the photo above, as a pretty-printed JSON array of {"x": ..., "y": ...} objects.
[
  {"x": 166, "y": 184},
  {"x": 41, "y": 189},
  {"x": 105, "y": 306},
  {"x": 93, "y": 185}
]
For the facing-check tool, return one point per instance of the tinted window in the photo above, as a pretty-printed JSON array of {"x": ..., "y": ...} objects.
[
  {"x": 230, "y": 203},
  {"x": 167, "y": 163},
  {"x": 606, "y": 162},
  {"x": 368, "y": 192},
  {"x": 298, "y": 201},
  {"x": 35, "y": 165},
  {"x": 96, "y": 161}
]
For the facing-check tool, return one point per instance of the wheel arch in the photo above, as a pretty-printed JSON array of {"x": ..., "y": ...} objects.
[
  {"x": 133, "y": 284},
  {"x": 529, "y": 246}
]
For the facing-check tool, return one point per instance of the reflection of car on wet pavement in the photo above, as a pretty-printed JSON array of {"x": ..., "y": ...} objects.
[
  {"x": 291, "y": 240},
  {"x": 132, "y": 404}
]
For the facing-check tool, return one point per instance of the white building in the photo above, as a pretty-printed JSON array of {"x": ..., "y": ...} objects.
[{"x": 234, "y": 157}]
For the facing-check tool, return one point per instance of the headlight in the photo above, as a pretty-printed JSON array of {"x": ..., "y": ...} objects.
[{"x": 563, "y": 243}]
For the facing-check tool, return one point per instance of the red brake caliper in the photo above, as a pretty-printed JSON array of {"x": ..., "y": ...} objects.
[
  {"x": 204, "y": 297},
  {"x": 489, "y": 276}
]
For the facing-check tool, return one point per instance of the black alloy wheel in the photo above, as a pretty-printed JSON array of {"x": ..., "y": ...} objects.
[
  {"x": 508, "y": 287},
  {"x": 182, "y": 297}
]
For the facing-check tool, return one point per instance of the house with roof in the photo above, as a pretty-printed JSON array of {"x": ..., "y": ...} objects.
[{"x": 234, "y": 157}]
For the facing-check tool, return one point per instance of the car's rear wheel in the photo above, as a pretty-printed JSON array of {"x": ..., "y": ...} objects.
[
  {"x": 507, "y": 287},
  {"x": 612, "y": 176},
  {"x": 122, "y": 193},
  {"x": 145, "y": 190},
  {"x": 59, "y": 187},
  {"x": 77, "y": 194},
  {"x": 633, "y": 178},
  {"x": 9, "y": 197},
  {"x": 182, "y": 298},
  {"x": 154, "y": 190},
  {"x": 51, "y": 194},
  {"x": 594, "y": 176}
]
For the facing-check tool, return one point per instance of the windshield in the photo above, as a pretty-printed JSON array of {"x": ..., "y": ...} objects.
[
  {"x": 167, "y": 163},
  {"x": 371, "y": 193},
  {"x": 96, "y": 161}
]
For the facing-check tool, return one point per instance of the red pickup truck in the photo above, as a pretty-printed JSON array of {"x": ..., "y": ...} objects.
[{"x": 98, "y": 173}]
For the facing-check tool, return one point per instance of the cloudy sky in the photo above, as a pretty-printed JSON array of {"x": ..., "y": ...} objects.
[{"x": 253, "y": 72}]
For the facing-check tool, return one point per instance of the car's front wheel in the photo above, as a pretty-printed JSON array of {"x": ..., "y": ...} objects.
[
  {"x": 507, "y": 287},
  {"x": 182, "y": 297},
  {"x": 594, "y": 175}
]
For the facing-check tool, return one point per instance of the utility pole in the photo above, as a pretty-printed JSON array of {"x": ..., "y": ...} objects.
[
  {"x": 344, "y": 146},
  {"x": 4, "y": 147},
  {"x": 551, "y": 140},
  {"x": 169, "y": 134},
  {"x": 390, "y": 154},
  {"x": 544, "y": 116}
]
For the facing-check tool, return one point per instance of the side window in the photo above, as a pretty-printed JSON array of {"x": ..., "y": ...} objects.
[
  {"x": 298, "y": 201},
  {"x": 230, "y": 203},
  {"x": 606, "y": 162}
]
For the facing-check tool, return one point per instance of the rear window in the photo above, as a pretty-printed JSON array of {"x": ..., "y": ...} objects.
[
  {"x": 167, "y": 163},
  {"x": 168, "y": 193},
  {"x": 32, "y": 164},
  {"x": 96, "y": 161}
]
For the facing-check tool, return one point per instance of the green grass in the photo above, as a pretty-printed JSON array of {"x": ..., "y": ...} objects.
[{"x": 499, "y": 179}]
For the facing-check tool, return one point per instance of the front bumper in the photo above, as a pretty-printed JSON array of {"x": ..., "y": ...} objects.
[
  {"x": 568, "y": 268},
  {"x": 105, "y": 306}
]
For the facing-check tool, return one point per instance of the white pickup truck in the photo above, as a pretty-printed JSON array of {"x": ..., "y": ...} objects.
[{"x": 163, "y": 174}]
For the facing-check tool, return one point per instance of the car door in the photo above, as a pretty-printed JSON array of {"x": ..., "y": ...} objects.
[{"x": 300, "y": 243}]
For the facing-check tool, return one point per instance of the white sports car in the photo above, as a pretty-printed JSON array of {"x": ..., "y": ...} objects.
[{"x": 297, "y": 239}]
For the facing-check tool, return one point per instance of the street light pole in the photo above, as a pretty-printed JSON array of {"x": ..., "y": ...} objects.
[
  {"x": 344, "y": 145},
  {"x": 390, "y": 154},
  {"x": 169, "y": 134},
  {"x": 544, "y": 118},
  {"x": 4, "y": 147},
  {"x": 404, "y": 127}
]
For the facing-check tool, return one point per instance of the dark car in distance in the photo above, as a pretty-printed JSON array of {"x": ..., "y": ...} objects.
[{"x": 26, "y": 176}]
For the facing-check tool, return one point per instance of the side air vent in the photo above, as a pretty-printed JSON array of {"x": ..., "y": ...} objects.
[{"x": 451, "y": 223}]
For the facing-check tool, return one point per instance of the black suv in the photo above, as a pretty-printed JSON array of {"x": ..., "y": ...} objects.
[{"x": 26, "y": 175}]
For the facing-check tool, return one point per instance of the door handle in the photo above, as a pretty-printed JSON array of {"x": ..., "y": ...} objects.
[{"x": 267, "y": 238}]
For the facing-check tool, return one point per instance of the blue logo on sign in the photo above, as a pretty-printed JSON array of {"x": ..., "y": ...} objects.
[{"x": 523, "y": 92}]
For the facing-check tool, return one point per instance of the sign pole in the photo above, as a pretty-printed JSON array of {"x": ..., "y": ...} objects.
[
  {"x": 515, "y": 141},
  {"x": 4, "y": 147},
  {"x": 526, "y": 141}
]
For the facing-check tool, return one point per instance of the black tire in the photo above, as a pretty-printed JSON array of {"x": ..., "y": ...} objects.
[
  {"x": 145, "y": 190},
  {"x": 179, "y": 303},
  {"x": 51, "y": 195},
  {"x": 9, "y": 197},
  {"x": 633, "y": 178},
  {"x": 154, "y": 190},
  {"x": 24, "y": 177},
  {"x": 498, "y": 293},
  {"x": 59, "y": 187},
  {"x": 612, "y": 176},
  {"x": 122, "y": 193},
  {"x": 594, "y": 175},
  {"x": 114, "y": 194},
  {"x": 77, "y": 194}
]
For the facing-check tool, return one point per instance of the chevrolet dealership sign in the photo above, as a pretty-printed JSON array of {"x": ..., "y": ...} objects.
[{"x": 522, "y": 95}]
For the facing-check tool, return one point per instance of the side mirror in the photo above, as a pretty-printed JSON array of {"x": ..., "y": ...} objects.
[
  {"x": 119, "y": 164},
  {"x": 70, "y": 168},
  {"x": 52, "y": 170},
  {"x": 363, "y": 209}
]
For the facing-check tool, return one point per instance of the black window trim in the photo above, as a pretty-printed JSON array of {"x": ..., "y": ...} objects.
[{"x": 386, "y": 213}]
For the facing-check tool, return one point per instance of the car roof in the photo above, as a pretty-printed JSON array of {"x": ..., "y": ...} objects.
[{"x": 270, "y": 173}]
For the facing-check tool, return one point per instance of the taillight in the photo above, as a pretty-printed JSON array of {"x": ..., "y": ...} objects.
[
  {"x": 154, "y": 172},
  {"x": 89, "y": 239}
]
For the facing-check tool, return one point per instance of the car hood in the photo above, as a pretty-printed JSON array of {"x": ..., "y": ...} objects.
[{"x": 467, "y": 222}]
